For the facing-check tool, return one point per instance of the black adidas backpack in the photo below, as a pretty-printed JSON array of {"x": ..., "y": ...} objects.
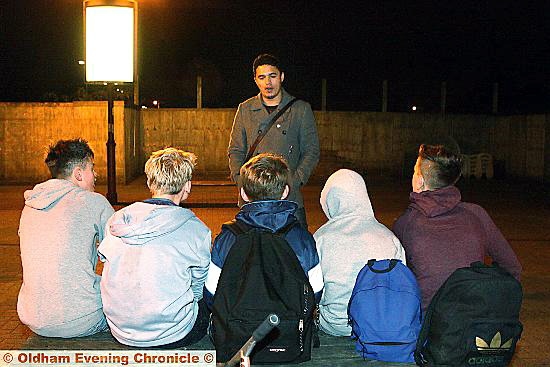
[
  {"x": 262, "y": 275},
  {"x": 473, "y": 319}
]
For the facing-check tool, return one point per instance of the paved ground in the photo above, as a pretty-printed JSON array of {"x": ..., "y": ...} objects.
[{"x": 522, "y": 211}]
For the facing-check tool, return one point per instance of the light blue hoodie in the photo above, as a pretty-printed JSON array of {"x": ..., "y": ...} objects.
[
  {"x": 156, "y": 262},
  {"x": 59, "y": 229}
]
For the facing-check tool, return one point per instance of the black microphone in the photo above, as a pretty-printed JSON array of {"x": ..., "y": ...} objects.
[
  {"x": 261, "y": 331},
  {"x": 265, "y": 327}
]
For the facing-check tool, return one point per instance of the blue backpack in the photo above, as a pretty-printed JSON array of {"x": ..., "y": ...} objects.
[{"x": 384, "y": 311}]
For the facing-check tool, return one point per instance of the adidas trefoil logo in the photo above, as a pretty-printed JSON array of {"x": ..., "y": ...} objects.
[{"x": 495, "y": 345}]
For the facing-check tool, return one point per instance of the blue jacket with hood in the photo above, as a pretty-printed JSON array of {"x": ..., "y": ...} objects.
[
  {"x": 156, "y": 258},
  {"x": 271, "y": 215}
]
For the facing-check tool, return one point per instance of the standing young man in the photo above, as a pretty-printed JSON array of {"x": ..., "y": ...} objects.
[
  {"x": 61, "y": 224},
  {"x": 292, "y": 136}
]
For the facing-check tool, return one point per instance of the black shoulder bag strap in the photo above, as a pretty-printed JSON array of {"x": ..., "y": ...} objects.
[
  {"x": 264, "y": 132},
  {"x": 237, "y": 227}
]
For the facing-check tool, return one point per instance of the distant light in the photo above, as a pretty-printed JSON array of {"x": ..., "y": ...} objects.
[
  {"x": 143, "y": 107},
  {"x": 155, "y": 102},
  {"x": 414, "y": 108},
  {"x": 81, "y": 62},
  {"x": 109, "y": 43}
]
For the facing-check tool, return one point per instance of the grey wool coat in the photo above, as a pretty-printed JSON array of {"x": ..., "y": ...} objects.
[{"x": 293, "y": 136}]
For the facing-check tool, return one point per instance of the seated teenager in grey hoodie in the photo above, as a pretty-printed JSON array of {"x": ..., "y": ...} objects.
[
  {"x": 61, "y": 224},
  {"x": 350, "y": 238},
  {"x": 156, "y": 256}
]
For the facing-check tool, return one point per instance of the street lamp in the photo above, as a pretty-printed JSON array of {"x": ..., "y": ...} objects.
[{"x": 110, "y": 29}]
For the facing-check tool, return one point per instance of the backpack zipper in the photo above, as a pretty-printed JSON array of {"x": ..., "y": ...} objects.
[
  {"x": 301, "y": 322},
  {"x": 301, "y": 334}
]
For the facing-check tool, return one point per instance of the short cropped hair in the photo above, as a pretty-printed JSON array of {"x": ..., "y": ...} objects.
[
  {"x": 265, "y": 59},
  {"x": 439, "y": 166},
  {"x": 168, "y": 170},
  {"x": 63, "y": 157},
  {"x": 264, "y": 177}
]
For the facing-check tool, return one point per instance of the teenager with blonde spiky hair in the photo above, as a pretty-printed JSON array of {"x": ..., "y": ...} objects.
[{"x": 156, "y": 256}]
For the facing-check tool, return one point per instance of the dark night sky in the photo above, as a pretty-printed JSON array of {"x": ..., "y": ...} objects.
[{"x": 354, "y": 45}]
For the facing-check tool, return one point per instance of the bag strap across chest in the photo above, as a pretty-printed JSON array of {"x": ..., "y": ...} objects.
[{"x": 264, "y": 132}]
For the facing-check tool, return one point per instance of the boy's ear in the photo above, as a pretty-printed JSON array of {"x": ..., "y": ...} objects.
[
  {"x": 285, "y": 192},
  {"x": 77, "y": 173},
  {"x": 244, "y": 196},
  {"x": 418, "y": 184},
  {"x": 187, "y": 187}
]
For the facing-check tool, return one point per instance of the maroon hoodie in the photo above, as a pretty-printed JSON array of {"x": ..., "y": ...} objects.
[{"x": 440, "y": 234}]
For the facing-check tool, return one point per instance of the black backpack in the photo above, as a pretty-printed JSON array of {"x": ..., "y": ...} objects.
[
  {"x": 262, "y": 275},
  {"x": 473, "y": 319}
]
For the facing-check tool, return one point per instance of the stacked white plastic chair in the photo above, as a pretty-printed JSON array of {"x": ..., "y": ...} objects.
[{"x": 477, "y": 165}]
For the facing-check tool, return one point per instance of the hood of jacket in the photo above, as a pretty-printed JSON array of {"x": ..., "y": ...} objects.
[
  {"x": 437, "y": 202},
  {"x": 142, "y": 222},
  {"x": 345, "y": 194},
  {"x": 272, "y": 215},
  {"x": 49, "y": 193}
]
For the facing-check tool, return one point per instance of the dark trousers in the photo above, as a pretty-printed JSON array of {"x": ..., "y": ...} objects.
[{"x": 197, "y": 332}]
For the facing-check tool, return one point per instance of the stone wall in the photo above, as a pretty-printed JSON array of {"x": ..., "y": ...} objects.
[
  {"x": 375, "y": 143},
  {"x": 27, "y": 129}
]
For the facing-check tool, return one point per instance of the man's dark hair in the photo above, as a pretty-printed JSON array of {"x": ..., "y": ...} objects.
[
  {"x": 265, "y": 59},
  {"x": 440, "y": 166},
  {"x": 65, "y": 155},
  {"x": 264, "y": 177}
]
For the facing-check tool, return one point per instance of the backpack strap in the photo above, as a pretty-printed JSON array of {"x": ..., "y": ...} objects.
[
  {"x": 478, "y": 264},
  {"x": 493, "y": 267},
  {"x": 393, "y": 263},
  {"x": 422, "y": 337},
  {"x": 238, "y": 227},
  {"x": 425, "y": 329}
]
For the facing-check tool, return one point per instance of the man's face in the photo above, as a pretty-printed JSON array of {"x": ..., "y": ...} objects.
[
  {"x": 269, "y": 79},
  {"x": 88, "y": 177}
]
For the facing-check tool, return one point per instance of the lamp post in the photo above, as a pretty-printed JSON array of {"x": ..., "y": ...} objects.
[
  {"x": 110, "y": 29},
  {"x": 82, "y": 63}
]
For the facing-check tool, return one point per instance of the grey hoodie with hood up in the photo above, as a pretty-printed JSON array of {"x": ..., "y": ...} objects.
[
  {"x": 156, "y": 262},
  {"x": 60, "y": 227},
  {"x": 350, "y": 238}
]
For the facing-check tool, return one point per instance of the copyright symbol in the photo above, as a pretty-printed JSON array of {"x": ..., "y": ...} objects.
[
  {"x": 8, "y": 358},
  {"x": 208, "y": 357}
]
